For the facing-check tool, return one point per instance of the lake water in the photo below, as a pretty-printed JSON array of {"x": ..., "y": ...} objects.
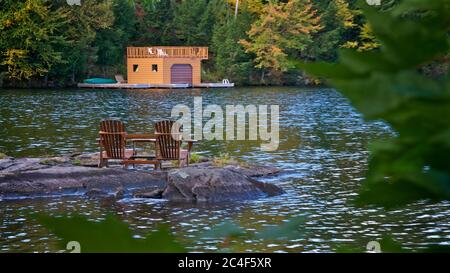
[{"x": 323, "y": 150}]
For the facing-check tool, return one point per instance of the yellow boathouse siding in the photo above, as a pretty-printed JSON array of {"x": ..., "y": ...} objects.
[
  {"x": 171, "y": 55},
  {"x": 145, "y": 75}
]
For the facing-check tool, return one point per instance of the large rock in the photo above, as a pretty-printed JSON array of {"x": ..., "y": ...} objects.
[
  {"x": 245, "y": 169},
  {"x": 20, "y": 165},
  {"x": 215, "y": 185},
  {"x": 77, "y": 175},
  {"x": 254, "y": 170},
  {"x": 57, "y": 180}
]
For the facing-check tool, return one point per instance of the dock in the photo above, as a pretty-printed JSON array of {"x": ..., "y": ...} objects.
[
  {"x": 154, "y": 86},
  {"x": 214, "y": 85}
]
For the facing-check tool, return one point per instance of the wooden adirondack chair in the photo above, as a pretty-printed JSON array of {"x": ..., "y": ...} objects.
[
  {"x": 112, "y": 126},
  {"x": 120, "y": 79},
  {"x": 113, "y": 142},
  {"x": 169, "y": 145},
  {"x": 164, "y": 127}
]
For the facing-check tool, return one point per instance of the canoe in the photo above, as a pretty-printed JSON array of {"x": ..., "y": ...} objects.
[{"x": 99, "y": 81}]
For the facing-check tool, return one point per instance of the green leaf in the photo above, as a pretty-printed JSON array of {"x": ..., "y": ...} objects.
[
  {"x": 386, "y": 84},
  {"x": 292, "y": 229},
  {"x": 109, "y": 236},
  {"x": 224, "y": 230}
]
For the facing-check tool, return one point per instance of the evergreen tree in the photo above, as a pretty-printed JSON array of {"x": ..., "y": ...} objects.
[
  {"x": 337, "y": 21},
  {"x": 188, "y": 25},
  {"x": 230, "y": 59},
  {"x": 81, "y": 28},
  {"x": 154, "y": 20},
  {"x": 112, "y": 42}
]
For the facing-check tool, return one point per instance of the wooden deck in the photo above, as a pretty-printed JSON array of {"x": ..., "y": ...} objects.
[
  {"x": 168, "y": 52},
  {"x": 154, "y": 86},
  {"x": 214, "y": 85}
]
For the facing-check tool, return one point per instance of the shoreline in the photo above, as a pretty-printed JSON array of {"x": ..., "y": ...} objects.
[{"x": 75, "y": 87}]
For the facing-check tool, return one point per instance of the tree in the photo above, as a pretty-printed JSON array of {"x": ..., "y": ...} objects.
[
  {"x": 335, "y": 19},
  {"x": 189, "y": 22},
  {"x": 154, "y": 22},
  {"x": 31, "y": 40},
  {"x": 251, "y": 6},
  {"x": 230, "y": 59},
  {"x": 111, "y": 42},
  {"x": 364, "y": 38},
  {"x": 282, "y": 29},
  {"x": 83, "y": 23}
]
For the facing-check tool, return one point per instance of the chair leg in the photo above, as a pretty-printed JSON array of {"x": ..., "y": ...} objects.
[
  {"x": 103, "y": 163},
  {"x": 183, "y": 163},
  {"x": 100, "y": 162}
]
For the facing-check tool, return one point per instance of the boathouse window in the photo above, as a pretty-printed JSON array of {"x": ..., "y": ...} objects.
[
  {"x": 135, "y": 67},
  {"x": 154, "y": 68}
]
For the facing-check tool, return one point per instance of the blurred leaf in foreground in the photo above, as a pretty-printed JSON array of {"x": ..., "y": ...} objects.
[
  {"x": 386, "y": 245},
  {"x": 224, "y": 230},
  {"x": 387, "y": 84},
  {"x": 292, "y": 229},
  {"x": 109, "y": 236}
]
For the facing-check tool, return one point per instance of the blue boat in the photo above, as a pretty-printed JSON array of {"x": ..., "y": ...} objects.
[{"x": 100, "y": 81}]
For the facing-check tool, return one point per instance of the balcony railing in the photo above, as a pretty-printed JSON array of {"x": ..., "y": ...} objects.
[{"x": 168, "y": 52}]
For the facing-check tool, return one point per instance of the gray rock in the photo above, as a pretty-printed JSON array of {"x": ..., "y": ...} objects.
[
  {"x": 96, "y": 193},
  {"x": 86, "y": 160},
  {"x": 120, "y": 193},
  {"x": 21, "y": 164},
  {"x": 156, "y": 194},
  {"x": 6, "y": 163},
  {"x": 254, "y": 170},
  {"x": 215, "y": 185},
  {"x": 31, "y": 177},
  {"x": 64, "y": 180},
  {"x": 248, "y": 170},
  {"x": 55, "y": 161}
]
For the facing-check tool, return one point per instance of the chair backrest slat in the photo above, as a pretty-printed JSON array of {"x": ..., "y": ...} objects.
[
  {"x": 114, "y": 144},
  {"x": 164, "y": 127},
  {"x": 168, "y": 147},
  {"x": 113, "y": 138},
  {"x": 112, "y": 126}
]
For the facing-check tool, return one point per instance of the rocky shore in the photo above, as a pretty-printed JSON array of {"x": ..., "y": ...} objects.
[{"x": 78, "y": 175}]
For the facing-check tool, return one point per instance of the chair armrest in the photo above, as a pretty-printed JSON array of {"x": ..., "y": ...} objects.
[{"x": 140, "y": 136}]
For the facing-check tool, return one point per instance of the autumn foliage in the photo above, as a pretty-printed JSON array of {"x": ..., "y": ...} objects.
[{"x": 281, "y": 30}]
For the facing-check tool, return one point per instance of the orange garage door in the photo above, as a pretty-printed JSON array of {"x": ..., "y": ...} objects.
[{"x": 181, "y": 73}]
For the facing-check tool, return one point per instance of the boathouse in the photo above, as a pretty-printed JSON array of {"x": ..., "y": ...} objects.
[{"x": 165, "y": 64}]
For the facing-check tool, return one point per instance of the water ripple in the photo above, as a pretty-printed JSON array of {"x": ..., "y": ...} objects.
[{"x": 323, "y": 150}]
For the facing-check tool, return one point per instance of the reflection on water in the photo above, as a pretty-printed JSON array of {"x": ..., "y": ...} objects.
[{"x": 323, "y": 150}]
